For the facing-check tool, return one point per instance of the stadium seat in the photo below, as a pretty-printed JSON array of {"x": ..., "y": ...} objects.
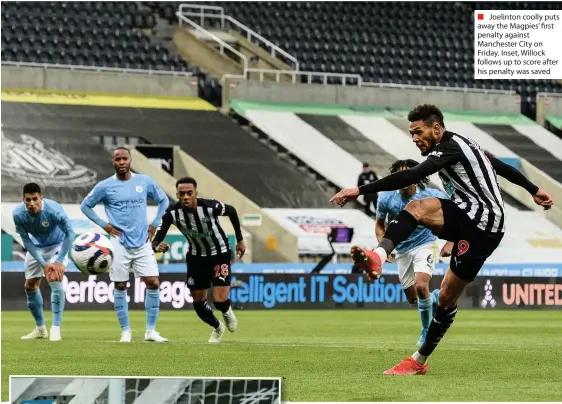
[{"x": 82, "y": 33}]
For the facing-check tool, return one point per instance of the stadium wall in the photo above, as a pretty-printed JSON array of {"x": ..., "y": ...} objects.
[
  {"x": 379, "y": 96},
  {"x": 111, "y": 82},
  {"x": 272, "y": 242}
]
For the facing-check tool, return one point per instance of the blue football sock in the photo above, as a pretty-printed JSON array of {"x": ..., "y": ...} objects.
[
  {"x": 122, "y": 308},
  {"x": 425, "y": 309},
  {"x": 35, "y": 304},
  {"x": 152, "y": 305},
  {"x": 57, "y": 302},
  {"x": 435, "y": 301}
]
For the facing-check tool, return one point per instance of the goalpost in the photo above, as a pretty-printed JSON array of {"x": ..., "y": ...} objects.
[{"x": 116, "y": 391}]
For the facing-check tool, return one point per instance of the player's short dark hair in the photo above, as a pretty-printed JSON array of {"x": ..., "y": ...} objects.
[
  {"x": 427, "y": 113},
  {"x": 31, "y": 188},
  {"x": 187, "y": 180},
  {"x": 122, "y": 148},
  {"x": 408, "y": 163}
]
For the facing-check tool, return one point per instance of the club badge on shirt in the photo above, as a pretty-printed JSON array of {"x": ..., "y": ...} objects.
[{"x": 139, "y": 189}]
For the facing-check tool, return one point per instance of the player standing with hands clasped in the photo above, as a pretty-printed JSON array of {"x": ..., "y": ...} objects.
[
  {"x": 473, "y": 218},
  {"x": 47, "y": 236},
  {"x": 124, "y": 196},
  {"x": 209, "y": 255}
]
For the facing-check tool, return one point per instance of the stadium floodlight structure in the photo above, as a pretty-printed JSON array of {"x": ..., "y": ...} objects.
[{"x": 103, "y": 390}]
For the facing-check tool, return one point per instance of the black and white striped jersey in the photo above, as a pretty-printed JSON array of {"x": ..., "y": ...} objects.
[
  {"x": 200, "y": 226},
  {"x": 469, "y": 176},
  {"x": 470, "y": 181}
]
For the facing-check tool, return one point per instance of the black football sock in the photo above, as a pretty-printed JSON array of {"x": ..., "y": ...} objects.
[
  {"x": 441, "y": 322},
  {"x": 222, "y": 306},
  {"x": 397, "y": 231},
  {"x": 205, "y": 313}
]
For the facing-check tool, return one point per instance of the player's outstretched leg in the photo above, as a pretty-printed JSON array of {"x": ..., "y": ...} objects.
[
  {"x": 426, "y": 212},
  {"x": 122, "y": 310},
  {"x": 152, "y": 306},
  {"x": 35, "y": 304},
  {"x": 451, "y": 290},
  {"x": 57, "y": 303}
]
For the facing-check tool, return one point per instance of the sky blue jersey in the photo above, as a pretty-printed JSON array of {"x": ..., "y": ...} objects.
[
  {"x": 125, "y": 204},
  {"x": 391, "y": 203},
  {"x": 50, "y": 227}
]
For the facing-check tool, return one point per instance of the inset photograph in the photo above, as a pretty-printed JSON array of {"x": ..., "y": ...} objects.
[{"x": 143, "y": 390}]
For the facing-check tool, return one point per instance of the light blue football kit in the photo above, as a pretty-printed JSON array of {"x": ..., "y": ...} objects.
[
  {"x": 47, "y": 237},
  {"x": 125, "y": 204},
  {"x": 389, "y": 206},
  {"x": 418, "y": 252}
]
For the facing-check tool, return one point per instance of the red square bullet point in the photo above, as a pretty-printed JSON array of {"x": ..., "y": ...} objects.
[{"x": 480, "y": 16}]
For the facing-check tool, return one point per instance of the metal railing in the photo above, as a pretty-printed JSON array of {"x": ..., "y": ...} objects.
[
  {"x": 97, "y": 68},
  {"x": 437, "y": 88},
  {"x": 310, "y": 75},
  {"x": 360, "y": 82},
  {"x": 222, "y": 44},
  {"x": 248, "y": 32}
]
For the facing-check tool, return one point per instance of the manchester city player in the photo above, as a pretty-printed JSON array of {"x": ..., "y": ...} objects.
[
  {"x": 124, "y": 196},
  {"x": 47, "y": 236},
  {"x": 415, "y": 256}
]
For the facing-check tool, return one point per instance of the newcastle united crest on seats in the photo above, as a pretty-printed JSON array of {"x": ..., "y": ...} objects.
[{"x": 30, "y": 161}]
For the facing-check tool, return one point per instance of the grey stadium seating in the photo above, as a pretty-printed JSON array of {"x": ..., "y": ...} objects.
[
  {"x": 83, "y": 33},
  {"x": 386, "y": 42}
]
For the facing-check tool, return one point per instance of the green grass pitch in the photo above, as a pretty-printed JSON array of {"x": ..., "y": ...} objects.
[{"x": 322, "y": 355}]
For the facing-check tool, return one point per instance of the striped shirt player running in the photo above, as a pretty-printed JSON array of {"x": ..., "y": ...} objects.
[
  {"x": 473, "y": 218},
  {"x": 47, "y": 236},
  {"x": 209, "y": 254}
]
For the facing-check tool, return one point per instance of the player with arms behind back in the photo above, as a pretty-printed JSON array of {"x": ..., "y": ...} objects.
[
  {"x": 209, "y": 255},
  {"x": 124, "y": 197},
  {"x": 416, "y": 255},
  {"x": 473, "y": 218},
  {"x": 47, "y": 236}
]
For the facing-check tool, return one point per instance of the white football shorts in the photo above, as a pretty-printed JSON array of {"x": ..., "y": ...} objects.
[
  {"x": 142, "y": 261},
  {"x": 49, "y": 254},
  {"x": 420, "y": 259}
]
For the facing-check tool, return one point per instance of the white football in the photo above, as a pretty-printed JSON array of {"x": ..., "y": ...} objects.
[{"x": 92, "y": 253}]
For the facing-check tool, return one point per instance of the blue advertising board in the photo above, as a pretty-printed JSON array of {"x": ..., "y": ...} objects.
[{"x": 536, "y": 270}]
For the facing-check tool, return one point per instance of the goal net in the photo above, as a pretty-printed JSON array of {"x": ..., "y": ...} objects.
[{"x": 45, "y": 390}]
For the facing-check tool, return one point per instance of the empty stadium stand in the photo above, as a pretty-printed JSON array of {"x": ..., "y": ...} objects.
[
  {"x": 210, "y": 137},
  {"x": 104, "y": 34},
  {"x": 52, "y": 147},
  {"x": 543, "y": 158},
  {"x": 363, "y": 38},
  {"x": 238, "y": 158},
  {"x": 350, "y": 140},
  {"x": 371, "y": 39}
]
